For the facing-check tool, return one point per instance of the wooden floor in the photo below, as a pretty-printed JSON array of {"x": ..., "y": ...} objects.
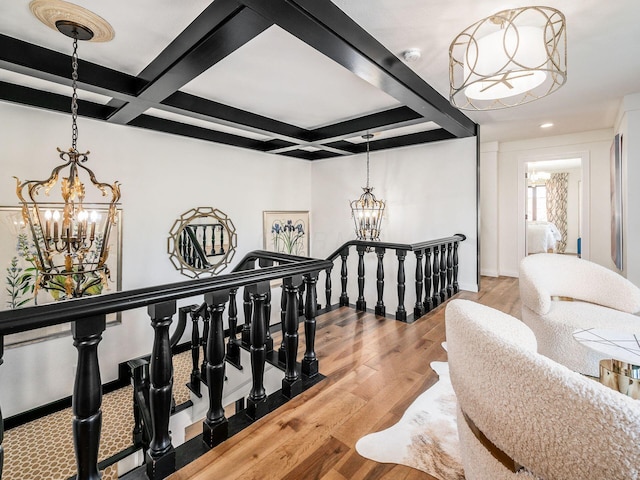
[{"x": 375, "y": 368}]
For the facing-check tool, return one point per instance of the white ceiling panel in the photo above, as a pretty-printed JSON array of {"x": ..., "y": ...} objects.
[{"x": 280, "y": 77}]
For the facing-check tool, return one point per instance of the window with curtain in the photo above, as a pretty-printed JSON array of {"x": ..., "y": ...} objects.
[
  {"x": 537, "y": 203},
  {"x": 557, "y": 194}
]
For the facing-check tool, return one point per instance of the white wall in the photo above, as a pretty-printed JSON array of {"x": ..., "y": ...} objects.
[
  {"x": 430, "y": 192},
  {"x": 489, "y": 208},
  {"x": 511, "y": 154},
  {"x": 629, "y": 126},
  {"x": 162, "y": 176}
]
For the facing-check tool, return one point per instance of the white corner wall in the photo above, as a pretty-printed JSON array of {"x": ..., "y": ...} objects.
[
  {"x": 629, "y": 126},
  {"x": 162, "y": 176},
  {"x": 510, "y": 154}
]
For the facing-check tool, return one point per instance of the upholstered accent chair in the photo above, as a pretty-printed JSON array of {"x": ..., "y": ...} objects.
[
  {"x": 522, "y": 415},
  {"x": 561, "y": 294}
]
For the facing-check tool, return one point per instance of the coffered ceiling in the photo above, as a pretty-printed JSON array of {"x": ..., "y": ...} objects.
[{"x": 304, "y": 78}]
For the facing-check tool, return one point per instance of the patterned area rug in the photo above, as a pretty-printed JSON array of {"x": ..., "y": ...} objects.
[{"x": 426, "y": 437}]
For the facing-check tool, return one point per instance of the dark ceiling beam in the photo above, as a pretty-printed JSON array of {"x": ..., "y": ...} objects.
[
  {"x": 51, "y": 101},
  {"x": 367, "y": 122},
  {"x": 45, "y": 64},
  {"x": 192, "y": 131},
  {"x": 226, "y": 34},
  {"x": 323, "y": 26},
  {"x": 395, "y": 142},
  {"x": 185, "y": 104}
]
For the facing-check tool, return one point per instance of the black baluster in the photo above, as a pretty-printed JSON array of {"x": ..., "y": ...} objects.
[
  {"x": 203, "y": 242},
  {"x": 205, "y": 336},
  {"x": 247, "y": 306},
  {"x": 161, "y": 456},
  {"x": 380, "y": 308},
  {"x": 87, "y": 396},
  {"x": 436, "y": 277},
  {"x": 401, "y": 312},
  {"x": 282, "y": 356},
  {"x": 418, "y": 309},
  {"x": 194, "y": 385},
  {"x": 215, "y": 428},
  {"x": 301, "y": 291},
  {"x": 361, "y": 304},
  {"x": 456, "y": 288},
  {"x": 428, "y": 301},
  {"x": 344, "y": 298},
  {"x": 327, "y": 289},
  {"x": 139, "y": 370},
  {"x": 267, "y": 319},
  {"x": 449, "y": 270},
  {"x": 245, "y": 335},
  {"x": 221, "y": 252},
  {"x": 443, "y": 272},
  {"x": 310, "y": 360},
  {"x": 291, "y": 383},
  {"x": 257, "y": 402},
  {"x": 233, "y": 349}
]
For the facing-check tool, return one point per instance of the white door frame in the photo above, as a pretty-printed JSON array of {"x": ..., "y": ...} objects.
[{"x": 585, "y": 201}]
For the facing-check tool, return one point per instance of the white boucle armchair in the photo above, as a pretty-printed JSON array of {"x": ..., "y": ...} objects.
[
  {"x": 600, "y": 298},
  {"x": 550, "y": 422}
]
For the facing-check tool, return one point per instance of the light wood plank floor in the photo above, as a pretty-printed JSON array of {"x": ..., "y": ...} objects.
[{"x": 375, "y": 368}]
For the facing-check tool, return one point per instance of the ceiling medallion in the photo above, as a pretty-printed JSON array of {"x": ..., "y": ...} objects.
[{"x": 58, "y": 15}]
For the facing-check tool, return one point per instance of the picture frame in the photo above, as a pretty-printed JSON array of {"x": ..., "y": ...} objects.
[
  {"x": 15, "y": 243},
  {"x": 616, "y": 202},
  {"x": 286, "y": 232}
]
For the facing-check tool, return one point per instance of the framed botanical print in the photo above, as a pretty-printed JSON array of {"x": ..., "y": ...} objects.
[{"x": 286, "y": 232}]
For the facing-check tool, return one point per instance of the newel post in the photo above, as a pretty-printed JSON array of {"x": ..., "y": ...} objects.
[
  {"x": 87, "y": 396},
  {"x": 161, "y": 456},
  {"x": 215, "y": 428}
]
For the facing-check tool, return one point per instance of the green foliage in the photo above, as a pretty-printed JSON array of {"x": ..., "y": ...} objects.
[{"x": 19, "y": 283}]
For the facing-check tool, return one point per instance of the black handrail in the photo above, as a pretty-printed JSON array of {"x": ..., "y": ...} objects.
[
  {"x": 409, "y": 247},
  {"x": 436, "y": 274},
  {"x": 29, "y": 318}
]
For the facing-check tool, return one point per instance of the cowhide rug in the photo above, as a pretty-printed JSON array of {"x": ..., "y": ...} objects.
[{"x": 426, "y": 437}]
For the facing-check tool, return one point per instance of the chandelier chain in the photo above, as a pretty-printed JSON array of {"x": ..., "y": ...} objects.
[
  {"x": 367, "y": 159},
  {"x": 74, "y": 96}
]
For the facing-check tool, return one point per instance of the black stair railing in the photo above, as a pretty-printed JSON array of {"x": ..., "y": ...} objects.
[
  {"x": 88, "y": 318},
  {"x": 436, "y": 274}
]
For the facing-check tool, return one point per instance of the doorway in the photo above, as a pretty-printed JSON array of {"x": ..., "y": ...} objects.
[{"x": 554, "y": 205}]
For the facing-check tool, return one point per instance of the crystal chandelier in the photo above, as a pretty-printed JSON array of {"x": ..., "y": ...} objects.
[
  {"x": 367, "y": 210},
  {"x": 510, "y": 58},
  {"x": 70, "y": 237}
]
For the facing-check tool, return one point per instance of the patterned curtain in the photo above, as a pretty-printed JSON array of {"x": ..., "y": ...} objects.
[{"x": 557, "y": 191}]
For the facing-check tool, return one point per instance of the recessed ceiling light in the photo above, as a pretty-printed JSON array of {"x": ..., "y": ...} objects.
[{"x": 546, "y": 125}]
